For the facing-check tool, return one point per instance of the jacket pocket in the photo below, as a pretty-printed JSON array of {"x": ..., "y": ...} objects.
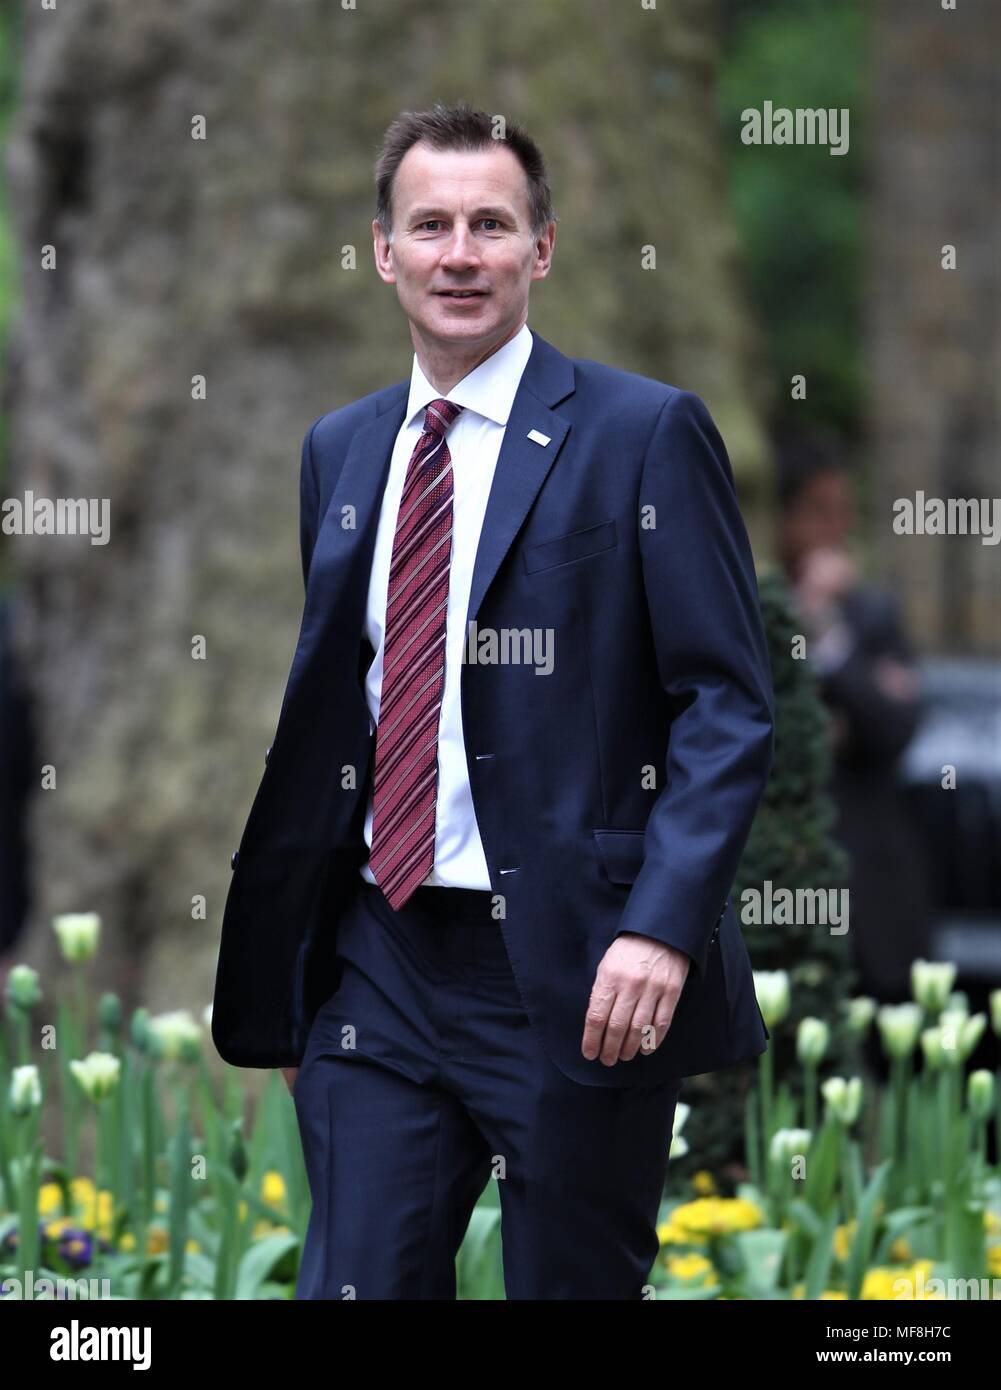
[
  {"x": 621, "y": 853},
  {"x": 575, "y": 545}
]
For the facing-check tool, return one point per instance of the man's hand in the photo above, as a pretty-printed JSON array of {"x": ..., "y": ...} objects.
[
  {"x": 635, "y": 993},
  {"x": 827, "y": 574},
  {"x": 290, "y": 1074}
]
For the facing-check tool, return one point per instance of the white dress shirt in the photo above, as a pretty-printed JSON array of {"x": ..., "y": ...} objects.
[{"x": 474, "y": 442}]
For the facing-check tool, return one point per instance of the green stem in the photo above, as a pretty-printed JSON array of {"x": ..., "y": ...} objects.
[
  {"x": 899, "y": 1069},
  {"x": 80, "y": 993},
  {"x": 810, "y": 1096},
  {"x": 765, "y": 1072}
]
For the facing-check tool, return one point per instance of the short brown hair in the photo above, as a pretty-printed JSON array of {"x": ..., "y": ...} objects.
[{"x": 459, "y": 127}]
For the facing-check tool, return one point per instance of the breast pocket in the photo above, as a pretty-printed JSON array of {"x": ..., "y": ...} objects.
[{"x": 574, "y": 545}]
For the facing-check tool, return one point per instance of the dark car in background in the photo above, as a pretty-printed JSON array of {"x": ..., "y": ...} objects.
[{"x": 961, "y": 828}]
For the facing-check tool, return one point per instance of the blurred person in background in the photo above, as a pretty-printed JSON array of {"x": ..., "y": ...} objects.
[{"x": 868, "y": 678}]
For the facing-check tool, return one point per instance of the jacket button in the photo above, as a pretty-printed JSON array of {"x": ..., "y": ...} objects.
[{"x": 233, "y": 858}]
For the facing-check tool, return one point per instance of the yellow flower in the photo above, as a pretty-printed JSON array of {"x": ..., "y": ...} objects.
[
  {"x": 717, "y": 1216},
  {"x": 81, "y": 1189},
  {"x": 127, "y": 1242},
  {"x": 273, "y": 1188},
  {"x": 156, "y": 1240},
  {"x": 669, "y": 1233},
  {"x": 94, "y": 1211},
  {"x": 994, "y": 1259},
  {"x": 192, "y": 1245},
  {"x": 50, "y": 1198},
  {"x": 878, "y": 1283},
  {"x": 882, "y": 1283},
  {"x": 59, "y": 1224},
  {"x": 704, "y": 1182},
  {"x": 992, "y": 1222},
  {"x": 692, "y": 1268},
  {"x": 901, "y": 1250},
  {"x": 843, "y": 1235}
]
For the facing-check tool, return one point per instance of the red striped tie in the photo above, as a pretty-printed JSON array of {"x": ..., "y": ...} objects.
[{"x": 413, "y": 672}]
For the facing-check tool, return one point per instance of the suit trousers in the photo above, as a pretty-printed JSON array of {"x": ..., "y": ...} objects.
[{"x": 423, "y": 1080}]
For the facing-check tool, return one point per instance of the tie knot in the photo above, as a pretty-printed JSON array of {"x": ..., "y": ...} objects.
[{"x": 439, "y": 415}]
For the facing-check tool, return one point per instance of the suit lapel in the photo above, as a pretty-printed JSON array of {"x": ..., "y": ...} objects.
[
  {"x": 342, "y": 557},
  {"x": 523, "y": 463}
]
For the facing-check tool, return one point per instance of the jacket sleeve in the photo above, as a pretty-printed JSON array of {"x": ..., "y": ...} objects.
[{"x": 712, "y": 659}]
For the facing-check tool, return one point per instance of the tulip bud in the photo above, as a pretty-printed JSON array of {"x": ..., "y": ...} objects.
[
  {"x": 899, "y": 1026},
  {"x": 175, "y": 1037},
  {"x": 97, "y": 1075},
  {"x": 23, "y": 989},
  {"x": 139, "y": 1029},
  {"x": 931, "y": 983},
  {"x": 861, "y": 1012},
  {"x": 25, "y": 1091},
  {"x": 960, "y": 1034},
  {"x": 109, "y": 1012},
  {"x": 995, "y": 1005},
  {"x": 980, "y": 1093},
  {"x": 78, "y": 934},
  {"x": 843, "y": 1098},
  {"x": 787, "y": 1144},
  {"x": 812, "y": 1037},
  {"x": 772, "y": 990},
  {"x": 972, "y": 1031}
]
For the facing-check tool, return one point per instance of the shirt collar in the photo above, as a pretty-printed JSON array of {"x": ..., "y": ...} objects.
[{"x": 488, "y": 389}]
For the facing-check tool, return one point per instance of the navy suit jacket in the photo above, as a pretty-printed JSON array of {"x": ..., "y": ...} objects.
[{"x": 613, "y": 794}]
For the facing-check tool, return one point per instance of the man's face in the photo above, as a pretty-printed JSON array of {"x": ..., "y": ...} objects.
[
  {"x": 823, "y": 515},
  {"x": 461, "y": 222}
]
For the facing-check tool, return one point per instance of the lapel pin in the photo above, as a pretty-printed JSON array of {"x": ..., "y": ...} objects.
[{"x": 538, "y": 438}]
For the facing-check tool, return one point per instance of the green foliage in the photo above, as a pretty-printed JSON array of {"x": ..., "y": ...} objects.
[
  {"x": 191, "y": 1198},
  {"x": 790, "y": 844},
  {"x": 799, "y": 208}
]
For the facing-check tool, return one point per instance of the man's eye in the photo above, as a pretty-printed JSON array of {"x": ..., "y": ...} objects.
[{"x": 436, "y": 221}]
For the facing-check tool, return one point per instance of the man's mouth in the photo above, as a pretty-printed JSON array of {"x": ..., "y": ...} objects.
[{"x": 461, "y": 294}]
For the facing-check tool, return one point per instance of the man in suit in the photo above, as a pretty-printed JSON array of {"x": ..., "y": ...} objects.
[{"x": 479, "y": 912}]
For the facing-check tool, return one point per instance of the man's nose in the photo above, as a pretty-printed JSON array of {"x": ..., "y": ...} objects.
[{"x": 461, "y": 247}]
